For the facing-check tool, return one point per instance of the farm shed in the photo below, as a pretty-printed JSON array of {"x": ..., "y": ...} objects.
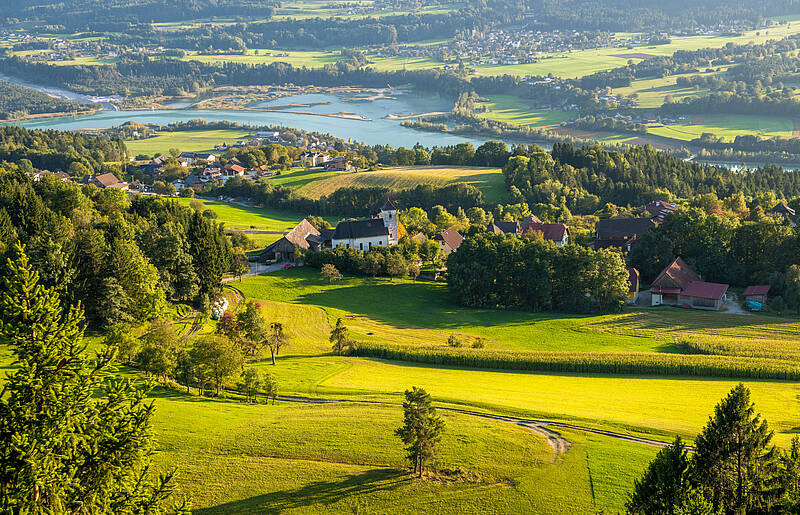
[
  {"x": 703, "y": 295},
  {"x": 756, "y": 296}
]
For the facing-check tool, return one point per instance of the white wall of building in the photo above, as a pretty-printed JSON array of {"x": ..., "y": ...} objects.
[{"x": 362, "y": 243}]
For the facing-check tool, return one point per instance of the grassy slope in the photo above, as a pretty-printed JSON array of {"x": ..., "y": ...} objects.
[
  {"x": 488, "y": 180},
  {"x": 185, "y": 141},
  {"x": 391, "y": 312},
  {"x": 511, "y": 109},
  {"x": 241, "y": 217},
  {"x": 726, "y": 126}
]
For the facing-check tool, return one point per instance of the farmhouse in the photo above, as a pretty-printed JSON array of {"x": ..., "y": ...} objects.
[
  {"x": 756, "y": 297},
  {"x": 505, "y": 228},
  {"x": 621, "y": 233},
  {"x": 380, "y": 231},
  {"x": 106, "y": 180},
  {"x": 449, "y": 240},
  {"x": 559, "y": 233},
  {"x": 304, "y": 236},
  {"x": 783, "y": 210},
  {"x": 679, "y": 285},
  {"x": 658, "y": 210},
  {"x": 339, "y": 164}
]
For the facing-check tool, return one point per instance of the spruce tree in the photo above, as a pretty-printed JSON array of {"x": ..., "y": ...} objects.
[
  {"x": 73, "y": 437},
  {"x": 735, "y": 462},
  {"x": 422, "y": 428},
  {"x": 662, "y": 489}
]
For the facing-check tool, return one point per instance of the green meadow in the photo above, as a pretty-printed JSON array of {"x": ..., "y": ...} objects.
[
  {"x": 512, "y": 109},
  {"x": 726, "y": 126},
  {"x": 239, "y": 217},
  {"x": 185, "y": 141}
]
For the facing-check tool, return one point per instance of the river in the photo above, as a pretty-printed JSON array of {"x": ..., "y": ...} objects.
[{"x": 376, "y": 129}]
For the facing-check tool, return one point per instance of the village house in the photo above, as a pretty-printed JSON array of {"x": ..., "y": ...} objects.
[
  {"x": 37, "y": 175},
  {"x": 106, "y": 180},
  {"x": 505, "y": 228},
  {"x": 231, "y": 170},
  {"x": 679, "y": 285},
  {"x": 558, "y": 233},
  {"x": 783, "y": 210},
  {"x": 755, "y": 297},
  {"x": 198, "y": 158},
  {"x": 621, "y": 233},
  {"x": 304, "y": 236},
  {"x": 312, "y": 159},
  {"x": 658, "y": 210},
  {"x": 381, "y": 231},
  {"x": 449, "y": 240},
  {"x": 339, "y": 164}
]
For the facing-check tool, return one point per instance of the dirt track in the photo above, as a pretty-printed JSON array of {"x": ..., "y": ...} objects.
[{"x": 544, "y": 428}]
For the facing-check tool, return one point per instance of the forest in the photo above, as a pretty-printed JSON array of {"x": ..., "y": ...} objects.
[{"x": 17, "y": 101}]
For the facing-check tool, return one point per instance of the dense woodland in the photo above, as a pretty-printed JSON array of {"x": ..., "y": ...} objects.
[
  {"x": 17, "y": 101},
  {"x": 121, "y": 258}
]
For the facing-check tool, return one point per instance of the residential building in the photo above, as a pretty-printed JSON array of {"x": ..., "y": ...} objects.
[
  {"x": 658, "y": 210},
  {"x": 505, "y": 228},
  {"x": 380, "y": 231},
  {"x": 339, "y": 164},
  {"x": 449, "y": 240},
  {"x": 558, "y": 233},
  {"x": 621, "y": 233},
  {"x": 106, "y": 180},
  {"x": 783, "y": 210},
  {"x": 679, "y": 285},
  {"x": 313, "y": 158}
]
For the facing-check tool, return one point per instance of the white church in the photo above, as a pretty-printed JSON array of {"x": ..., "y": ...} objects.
[{"x": 380, "y": 231}]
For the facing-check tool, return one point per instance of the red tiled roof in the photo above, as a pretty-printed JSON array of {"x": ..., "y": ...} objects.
[
  {"x": 756, "y": 290},
  {"x": 679, "y": 273},
  {"x": 451, "y": 237},
  {"x": 705, "y": 290}
]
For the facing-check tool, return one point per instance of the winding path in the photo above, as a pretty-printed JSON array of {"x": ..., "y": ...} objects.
[{"x": 545, "y": 428}]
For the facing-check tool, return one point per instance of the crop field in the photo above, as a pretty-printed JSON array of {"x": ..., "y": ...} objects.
[
  {"x": 726, "y": 126},
  {"x": 512, "y": 109},
  {"x": 185, "y": 141},
  {"x": 243, "y": 217},
  {"x": 488, "y": 180}
]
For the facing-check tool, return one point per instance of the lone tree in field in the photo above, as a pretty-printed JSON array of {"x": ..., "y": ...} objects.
[
  {"x": 276, "y": 339},
  {"x": 422, "y": 428},
  {"x": 330, "y": 272},
  {"x": 340, "y": 338},
  {"x": 251, "y": 328},
  {"x": 73, "y": 437}
]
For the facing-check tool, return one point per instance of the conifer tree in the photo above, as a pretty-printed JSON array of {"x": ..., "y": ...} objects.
[
  {"x": 73, "y": 438},
  {"x": 661, "y": 491},
  {"x": 735, "y": 461},
  {"x": 422, "y": 428}
]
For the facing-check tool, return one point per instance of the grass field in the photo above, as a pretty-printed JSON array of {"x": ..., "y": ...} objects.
[
  {"x": 488, "y": 180},
  {"x": 726, "y": 126},
  {"x": 511, "y": 109},
  {"x": 242, "y": 217},
  {"x": 185, "y": 141}
]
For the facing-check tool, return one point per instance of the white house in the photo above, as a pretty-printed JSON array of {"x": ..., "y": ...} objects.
[{"x": 380, "y": 231}]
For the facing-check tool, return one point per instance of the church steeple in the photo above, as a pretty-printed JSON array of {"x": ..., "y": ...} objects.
[{"x": 389, "y": 216}]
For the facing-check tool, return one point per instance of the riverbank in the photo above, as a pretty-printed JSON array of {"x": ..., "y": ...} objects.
[{"x": 38, "y": 116}]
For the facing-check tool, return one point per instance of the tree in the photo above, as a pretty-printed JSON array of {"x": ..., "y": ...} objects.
[
  {"x": 734, "y": 458},
  {"x": 276, "y": 339},
  {"x": 119, "y": 337},
  {"x": 270, "y": 387},
  {"x": 160, "y": 349},
  {"x": 396, "y": 266},
  {"x": 74, "y": 438},
  {"x": 340, "y": 338},
  {"x": 241, "y": 265},
  {"x": 414, "y": 269},
  {"x": 251, "y": 328},
  {"x": 422, "y": 428},
  {"x": 184, "y": 369},
  {"x": 430, "y": 251},
  {"x": 662, "y": 488},
  {"x": 330, "y": 272},
  {"x": 373, "y": 263},
  {"x": 791, "y": 477},
  {"x": 217, "y": 359},
  {"x": 250, "y": 384}
]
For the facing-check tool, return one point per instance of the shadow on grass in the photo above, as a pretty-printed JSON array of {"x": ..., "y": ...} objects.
[{"x": 316, "y": 493}]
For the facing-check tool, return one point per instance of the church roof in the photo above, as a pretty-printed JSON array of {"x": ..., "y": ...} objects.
[
  {"x": 360, "y": 229},
  {"x": 388, "y": 206}
]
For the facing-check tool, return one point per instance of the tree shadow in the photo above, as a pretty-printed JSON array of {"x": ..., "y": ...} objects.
[{"x": 317, "y": 492}]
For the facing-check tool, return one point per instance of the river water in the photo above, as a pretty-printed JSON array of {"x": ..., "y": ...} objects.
[{"x": 376, "y": 129}]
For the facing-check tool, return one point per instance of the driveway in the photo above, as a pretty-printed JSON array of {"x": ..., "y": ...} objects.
[{"x": 257, "y": 269}]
